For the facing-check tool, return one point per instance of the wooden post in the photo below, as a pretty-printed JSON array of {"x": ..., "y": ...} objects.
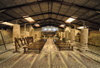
[{"x": 15, "y": 45}]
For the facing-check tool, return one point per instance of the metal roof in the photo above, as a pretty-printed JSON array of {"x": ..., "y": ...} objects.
[{"x": 51, "y": 12}]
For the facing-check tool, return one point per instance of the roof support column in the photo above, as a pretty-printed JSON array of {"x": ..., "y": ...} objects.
[
  {"x": 84, "y": 40},
  {"x": 16, "y": 31}
]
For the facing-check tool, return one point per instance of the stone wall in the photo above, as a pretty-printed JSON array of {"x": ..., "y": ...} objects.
[
  {"x": 7, "y": 35},
  {"x": 37, "y": 35},
  {"x": 22, "y": 32},
  {"x": 16, "y": 31},
  {"x": 77, "y": 35},
  {"x": 94, "y": 38}
]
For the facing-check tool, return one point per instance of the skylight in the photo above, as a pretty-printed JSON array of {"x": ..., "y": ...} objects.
[
  {"x": 81, "y": 27},
  {"x": 37, "y": 25},
  {"x": 71, "y": 19},
  {"x": 7, "y": 23},
  {"x": 28, "y": 18},
  {"x": 62, "y": 25}
]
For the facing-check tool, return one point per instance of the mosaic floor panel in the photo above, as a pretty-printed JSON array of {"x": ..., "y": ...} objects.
[{"x": 50, "y": 57}]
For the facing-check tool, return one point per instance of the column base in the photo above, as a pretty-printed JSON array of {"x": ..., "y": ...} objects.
[{"x": 83, "y": 49}]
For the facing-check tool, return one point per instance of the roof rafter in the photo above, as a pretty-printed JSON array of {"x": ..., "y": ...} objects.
[
  {"x": 61, "y": 2},
  {"x": 89, "y": 27},
  {"x": 56, "y": 14},
  {"x": 49, "y": 19}
]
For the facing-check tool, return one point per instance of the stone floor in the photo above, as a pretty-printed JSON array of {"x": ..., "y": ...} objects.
[
  {"x": 49, "y": 57},
  {"x": 8, "y": 46},
  {"x": 94, "y": 49}
]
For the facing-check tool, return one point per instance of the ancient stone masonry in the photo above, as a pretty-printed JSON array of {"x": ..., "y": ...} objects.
[
  {"x": 16, "y": 31},
  {"x": 66, "y": 35},
  {"x": 72, "y": 35},
  {"x": 84, "y": 40},
  {"x": 94, "y": 38},
  {"x": 32, "y": 32},
  {"x": 61, "y": 36},
  {"x": 7, "y": 36}
]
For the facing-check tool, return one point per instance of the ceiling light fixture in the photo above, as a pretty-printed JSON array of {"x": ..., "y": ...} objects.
[
  {"x": 62, "y": 25},
  {"x": 71, "y": 19},
  {"x": 81, "y": 27},
  {"x": 37, "y": 25},
  {"x": 28, "y": 18},
  {"x": 7, "y": 23}
]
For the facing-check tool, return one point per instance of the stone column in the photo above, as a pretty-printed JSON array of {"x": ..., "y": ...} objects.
[
  {"x": 84, "y": 40},
  {"x": 66, "y": 34},
  {"x": 61, "y": 36},
  {"x": 24, "y": 30},
  {"x": 16, "y": 31},
  {"x": 32, "y": 33},
  {"x": 72, "y": 39}
]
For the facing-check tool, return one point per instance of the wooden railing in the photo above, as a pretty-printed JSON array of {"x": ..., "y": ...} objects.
[
  {"x": 27, "y": 43},
  {"x": 63, "y": 45}
]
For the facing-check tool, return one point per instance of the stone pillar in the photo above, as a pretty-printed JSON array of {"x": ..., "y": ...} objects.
[
  {"x": 30, "y": 29},
  {"x": 72, "y": 39},
  {"x": 27, "y": 34},
  {"x": 24, "y": 30},
  {"x": 32, "y": 32},
  {"x": 61, "y": 36},
  {"x": 84, "y": 40},
  {"x": 66, "y": 35},
  {"x": 16, "y": 31}
]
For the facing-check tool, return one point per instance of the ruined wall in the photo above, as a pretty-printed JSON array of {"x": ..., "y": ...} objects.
[
  {"x": 77, "y": 35},
  {"x": 94, "y": 38},
  {"x": 16, "y": 31},
  {"x": 7, "y": 35},
  {"x": 22, "y": 31},
  {"x": 37, "y": 34}
]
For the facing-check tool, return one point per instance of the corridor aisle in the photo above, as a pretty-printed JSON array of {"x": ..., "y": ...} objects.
[
  {"x": 50, "y": 57},
  {"x": 60, "y": 59}
]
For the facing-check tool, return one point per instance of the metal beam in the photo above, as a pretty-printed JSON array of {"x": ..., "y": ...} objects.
[
  {"x": 50, "y": 19},
  {"x": 49, "y": 22},
  {"x": 94, "y": 15},
  {"x": 51, "y": 8},
  {"x": 59, "y": 10},
  {"x": 61, "y": 2},
  {"x": 11, "y": 16},
  {"x": 40, "y": 9},
  {"x": 56, "y": 14},
  {"x": 46, "y": 23},
  {"x": 89, "y": 26},
  {"x": 38, "y": 15}
]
